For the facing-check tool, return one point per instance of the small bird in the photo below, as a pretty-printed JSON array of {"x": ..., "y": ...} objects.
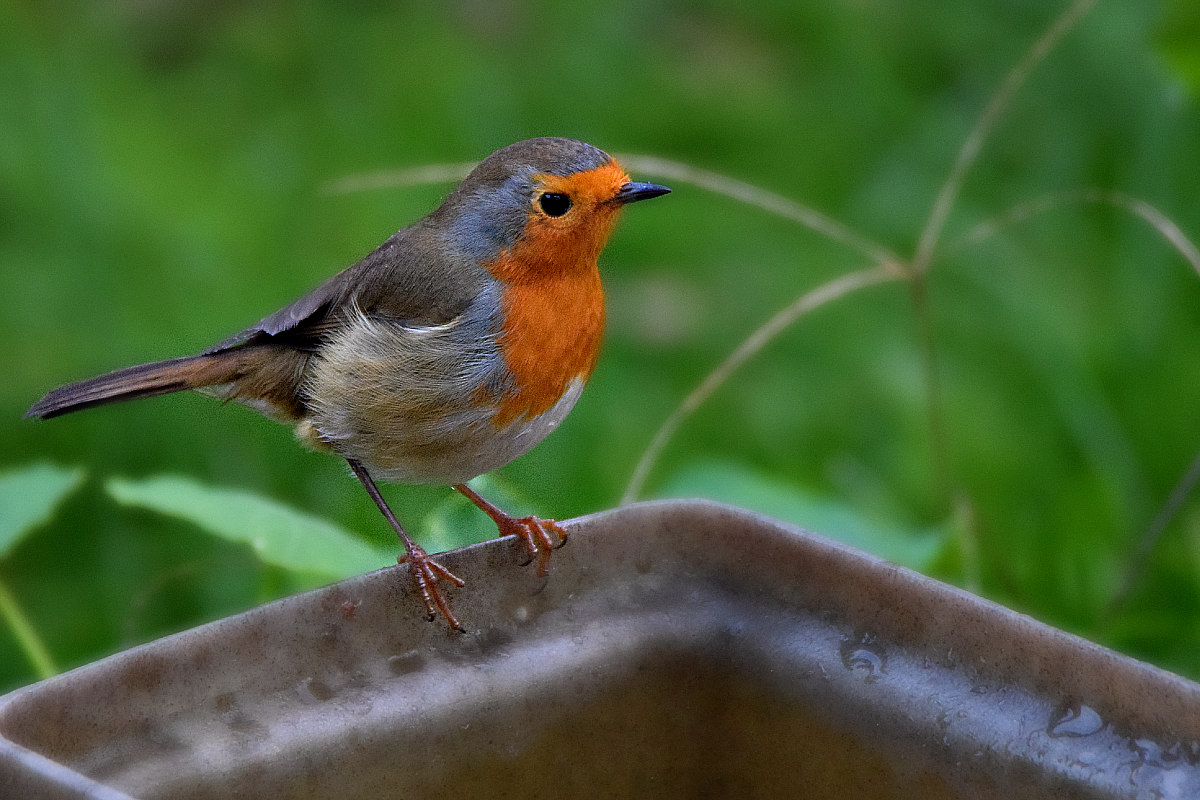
[{"x": 450, "y": 350}]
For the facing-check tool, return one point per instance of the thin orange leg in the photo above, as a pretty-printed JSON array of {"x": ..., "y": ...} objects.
[
  {"x": 541, "y": 536},
  {"x": 425, "y": 572}
]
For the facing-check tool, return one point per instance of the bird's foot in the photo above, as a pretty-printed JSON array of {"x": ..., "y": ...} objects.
[
  {"x": 427, "y": 576},
  {"x": 541, "y": 536}
]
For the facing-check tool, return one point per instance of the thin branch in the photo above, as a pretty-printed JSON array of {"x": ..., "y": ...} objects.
[
  {"x": 394, "y": 178},
  {"x": 838, "y": 287},
  {"x": 931, "y": 233},
  {"x": 935, "y": 418},
  {"x": 1040, "y": 205},
  {"x": 966, "y": 529},
  {"x": 1151, "y": 536},
  {"x": 767, "y": 201}
]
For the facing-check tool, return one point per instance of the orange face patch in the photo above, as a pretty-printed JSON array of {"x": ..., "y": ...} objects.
[
  {"x": 588, "y": 189},
  {"x": 569, "y": 242},
  {"x": 552, "y": 298}
]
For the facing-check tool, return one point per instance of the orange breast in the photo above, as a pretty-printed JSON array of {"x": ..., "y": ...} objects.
[{"x": 552, "y": 334}]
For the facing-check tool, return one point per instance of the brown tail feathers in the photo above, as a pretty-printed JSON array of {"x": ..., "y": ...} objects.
[{"x": 144, "y": 380}]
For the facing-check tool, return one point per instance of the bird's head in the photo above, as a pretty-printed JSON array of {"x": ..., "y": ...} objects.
[{"x": 546, "y": 204}]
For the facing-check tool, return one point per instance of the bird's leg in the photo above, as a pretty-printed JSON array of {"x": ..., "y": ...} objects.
[
  {"x": 426, "y": 573},
  {"x": 539, "y": 535}
]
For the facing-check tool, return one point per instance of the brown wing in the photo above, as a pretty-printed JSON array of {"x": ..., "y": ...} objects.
[{"x": 412, "y": 277}]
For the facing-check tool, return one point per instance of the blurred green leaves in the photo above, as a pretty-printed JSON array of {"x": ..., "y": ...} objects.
[
  {"x": 28, "y": 497},
  {"x": 917, "y": 549},
  {"x": 278, "y": 535}
]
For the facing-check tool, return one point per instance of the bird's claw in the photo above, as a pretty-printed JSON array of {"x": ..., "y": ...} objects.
[
  {"x": 427, "y": 574},
  {"x": 541, "y": 537}
]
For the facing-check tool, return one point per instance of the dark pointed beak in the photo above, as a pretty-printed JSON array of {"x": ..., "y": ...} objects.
[{"x": 634, "y": 191}]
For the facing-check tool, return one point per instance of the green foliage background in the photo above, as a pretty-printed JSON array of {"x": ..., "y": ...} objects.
[{"x": 163, "y": 174}]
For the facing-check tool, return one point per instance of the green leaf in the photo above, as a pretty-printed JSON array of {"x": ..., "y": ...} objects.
[
  {"x": 28, "y": 497},
  {"x": 729, "y": 483},
  {"x": 280, "y": 535}
]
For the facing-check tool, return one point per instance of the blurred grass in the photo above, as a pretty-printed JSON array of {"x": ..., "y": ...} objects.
[{"x": 162, "y": 174}]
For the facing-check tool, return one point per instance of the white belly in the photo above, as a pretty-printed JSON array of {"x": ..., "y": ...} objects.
[
  {"x": 406, "y": 402},
  {"x": 483, "y": 449}
]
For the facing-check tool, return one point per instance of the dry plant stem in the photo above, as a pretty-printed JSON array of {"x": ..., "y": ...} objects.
[
  {"x": 931, "y": 233},
  {"x": 1022, "y": 212},
  {"x": 890, "y": 266},
  {"x": 1147, "y": 541},
  {"x": 930, "y": 237},
  {"x": 838, "y": 287},
  {"x": 426, "y": 573},
  {"x": 394, "y": 178},
  {"x": 761, "y": 198},
  {"x": 967, "y": 527},
  {"x": 939, "y": 452}
]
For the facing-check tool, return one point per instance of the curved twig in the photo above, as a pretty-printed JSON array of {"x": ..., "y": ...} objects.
[
  {"x": 767, "y": 201},
  {"x": 393, "y": 178},
  {"x": 838, "y": 287},
  {"x": 931, "y": 233}
]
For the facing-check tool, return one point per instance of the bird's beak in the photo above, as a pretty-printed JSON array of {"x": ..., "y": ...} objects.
[{"x": 634, "y": 191}]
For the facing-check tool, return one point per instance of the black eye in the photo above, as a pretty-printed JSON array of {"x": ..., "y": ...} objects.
[{"x": 555, "y": 204}]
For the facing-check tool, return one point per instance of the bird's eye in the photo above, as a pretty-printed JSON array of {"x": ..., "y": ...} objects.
[{"x": 555, "y": 204}]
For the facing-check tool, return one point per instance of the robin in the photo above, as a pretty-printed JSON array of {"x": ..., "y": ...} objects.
[{"x": 455, "y": 347}]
